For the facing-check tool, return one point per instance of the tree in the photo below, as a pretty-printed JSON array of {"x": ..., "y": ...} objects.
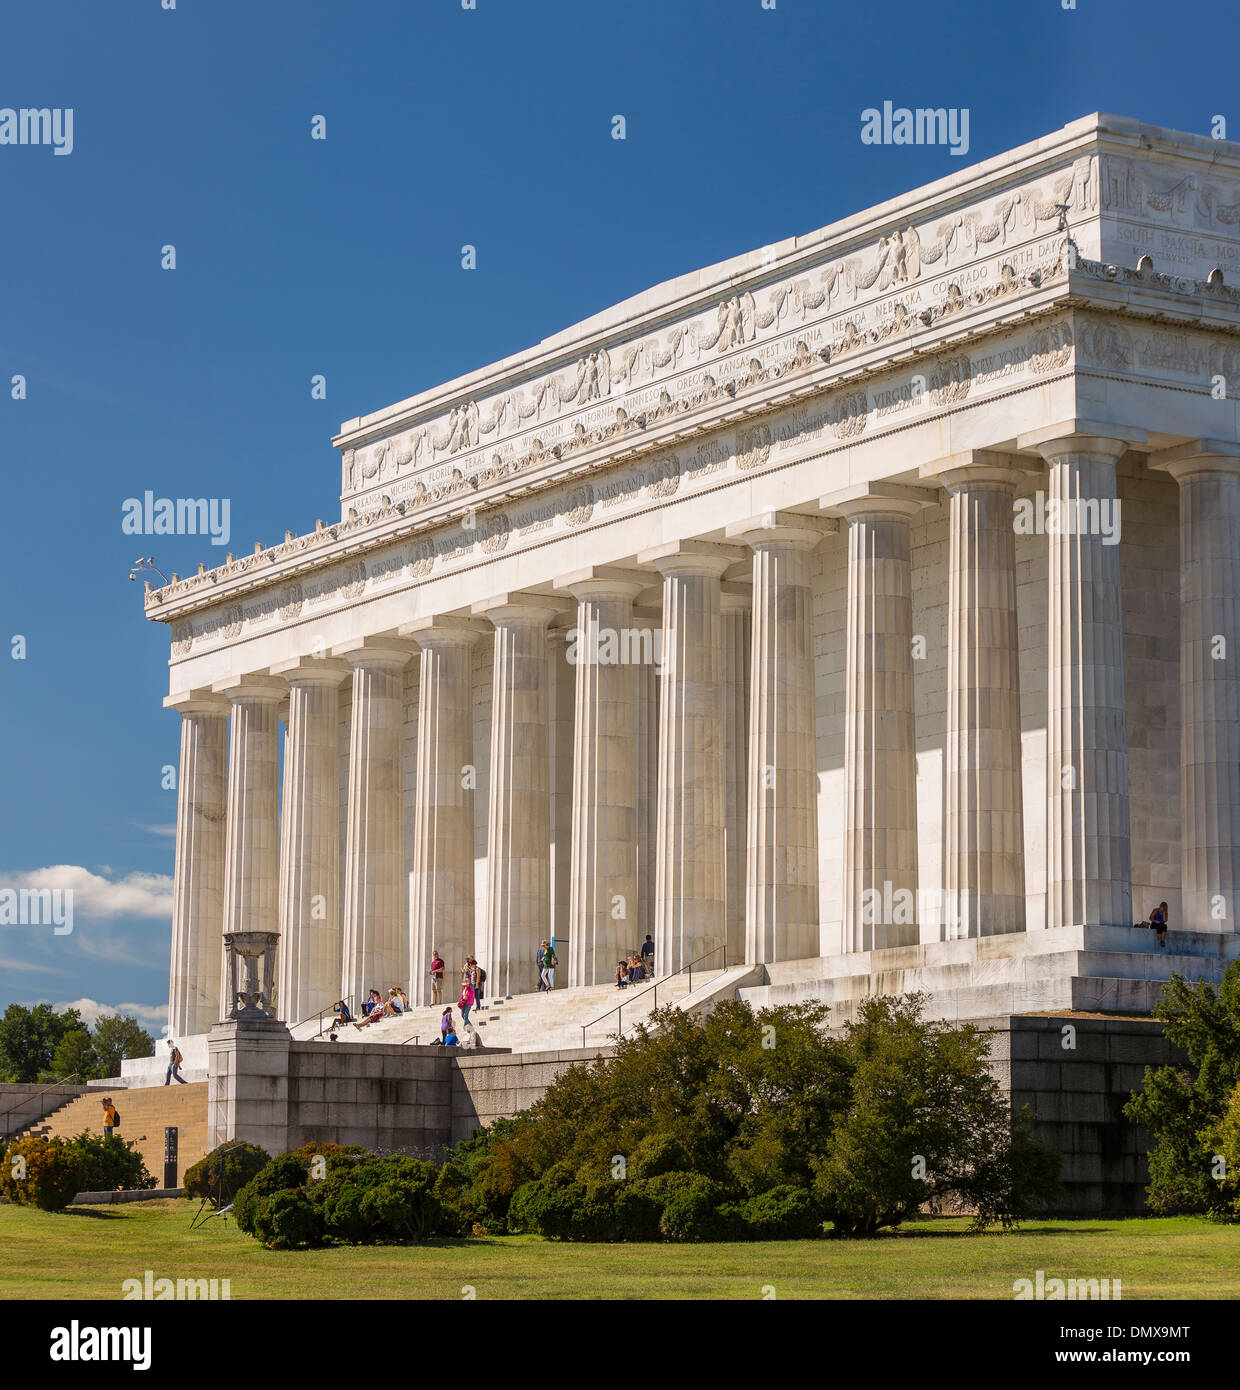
[
  {"x": 75, "y": 1056},
  {"x": 29, "y": 1039},
  {"x": 117, "y": 1038},
  {"x": 1183, "y": 1106}
]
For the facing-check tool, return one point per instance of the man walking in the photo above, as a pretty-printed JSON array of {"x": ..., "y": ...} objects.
[
  {"x": 538, "y": 964},
  {"x": 549, "y": 963},
  {"x": 174, "y": 1064}
]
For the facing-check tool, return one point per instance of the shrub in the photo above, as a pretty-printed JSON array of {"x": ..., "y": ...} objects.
[
  {"x": 108, "y": 1162},
  {"x": 288, "y": 1220},
  {"x": 782, "y": 1213},
  {"x": 231, "y": 1165},
  {"x": 657, "y": 1154},
  {"x": 692, "y": 1210},
  {"x": 52, "y": 1173}
]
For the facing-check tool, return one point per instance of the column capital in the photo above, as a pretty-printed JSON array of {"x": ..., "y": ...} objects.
[
  {"x": 1197, "y": 458},
  {"x": 252, "y": 689},
  {"x": 386, "y": 653},
  {"x": 604, "y": 581},
  {"x": 310, "y": 670},
  {"x": 1077, "y": 436},
  {"x": 439, "y": 630},
  {"x": 973, "y": 467},
  {"x": 691, "y": 557},
  {"x": 878, "y": 499},
  {"x": 202, "y": 701},
  {"x": 782, "y": 528},
  {"x": 515, "y": 606}
]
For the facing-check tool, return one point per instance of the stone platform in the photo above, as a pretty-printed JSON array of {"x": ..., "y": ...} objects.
[{"x": 1103, "y": 970}]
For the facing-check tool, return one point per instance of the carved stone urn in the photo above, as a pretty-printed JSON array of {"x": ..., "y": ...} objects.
[{"x": 251, "y": 972}]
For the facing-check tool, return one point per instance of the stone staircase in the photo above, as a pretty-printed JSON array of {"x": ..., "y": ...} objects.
[
  {"x": 542, "y": 1022},
  {"x": 145, "y": 1113}
]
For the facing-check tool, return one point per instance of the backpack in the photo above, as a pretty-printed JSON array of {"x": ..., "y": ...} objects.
[
  {"x": 177, "y": 1059},
  {"x": 482, "y": 976},
  {"x": 116, "y": 1117}
]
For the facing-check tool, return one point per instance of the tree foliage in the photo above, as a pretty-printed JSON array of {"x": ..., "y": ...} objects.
[{"x": 1187, "y": 1106}]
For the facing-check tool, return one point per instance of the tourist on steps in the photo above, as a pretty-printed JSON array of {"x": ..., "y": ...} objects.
[
  {"x": 466, "y": 1001},
  {"x": 622, "y": 975},
  {"x": 174, "y": 1064},
  {"x": 445, "y": 1024},
  {"x": 436, "y": 976},
  {"x": 648, "y": 957},
  {"x": 110, "y": 1118},
  {"x": 538, "y": 964},
  {"x": 549, "y": 964}
]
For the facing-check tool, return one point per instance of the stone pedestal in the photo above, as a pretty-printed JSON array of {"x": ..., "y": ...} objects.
[
  {"x": 376, "y": 938},
  {"x": 1208, "y": 472},
  {"x": 198, "y": 897},
  {"x": 248, "y": 1084}
]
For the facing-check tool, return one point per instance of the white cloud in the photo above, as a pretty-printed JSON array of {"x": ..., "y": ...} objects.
[
  {"x": 133, "y": 895},
  {"x": 151, "y": 1017},
  {"x": 6, "y": 963},
  {"x": 167, "y": 831}
]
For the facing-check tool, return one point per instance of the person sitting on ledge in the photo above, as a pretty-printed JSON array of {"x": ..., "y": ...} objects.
[
  {"x": 450, "y": 1039},
  {"x": 342, "y": 1012},
  {"x": 471, "y": 1037},
  {"x": 622, "y": 975},
  {"x": 637, "y": 971},
  {"x": 375, "y": 1009},
  {"x": 1158, "y": 920}
]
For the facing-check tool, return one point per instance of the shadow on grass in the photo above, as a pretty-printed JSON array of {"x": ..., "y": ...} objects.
[
  {"x": 913, "y": 1232},
  {"x": 99, "y": 1213}
]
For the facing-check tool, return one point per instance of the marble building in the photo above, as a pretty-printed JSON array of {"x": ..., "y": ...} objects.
[{"x": 873, "y": 591}]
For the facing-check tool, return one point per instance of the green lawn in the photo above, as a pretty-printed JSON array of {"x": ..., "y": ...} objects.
[{"x": 86, "y": 1252}]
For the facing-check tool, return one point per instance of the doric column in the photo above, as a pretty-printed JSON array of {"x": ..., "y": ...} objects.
[
  {"x": 690, "y": 867},
  {"x": 880, "y": 759},
  {"x": 441, "y": 899},
  {"x": 376, "y": 939},
  {"x": 1088, "y": 853},
  {"x": 1208, "y": 472},
  {"x": 782, "y": 805},
  {"x": 605, "y": 651},
  {"x": 310, "y": 952},
  {"x": 251, "y": 857},
  {"x": 198, "y": 885},
  {"x": 648, "y": 683},
  {"x": 983, "y": 831},
  {"x": 736, "y": 602},
  {"x": 519, "y": 813},
  {"x": 563, "y": 692}
]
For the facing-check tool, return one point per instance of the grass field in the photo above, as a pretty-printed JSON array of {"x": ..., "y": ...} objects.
[{"x": 87, "y": 1252}]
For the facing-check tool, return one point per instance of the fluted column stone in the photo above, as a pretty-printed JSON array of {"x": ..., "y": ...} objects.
[
  {"x": 442, "y": 888},
  {"x": 198, "y": 880},
  {"x": 983, "y": 831},
  {"x": 251, "y": 857},
  {"x": 736, "y": 602},
  {"x": 691, "y": 866},
  {"x": 311, "y": 949},
  {"x": 1088, "y": 850},
  {"x": 519, "y": 811},
  {"x": 606, "y": 653},
  {"x": 880, "y": 836},
  {"x": 376, "y": 938},
  {"x": 782, "y": 803},
  {"x": 1208, "y": 472}
]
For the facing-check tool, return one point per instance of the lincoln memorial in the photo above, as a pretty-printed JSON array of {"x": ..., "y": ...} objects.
[{"x": 861, "y": 611}]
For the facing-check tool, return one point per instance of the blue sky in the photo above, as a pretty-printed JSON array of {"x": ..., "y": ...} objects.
[{"x": 445, "y": 126}]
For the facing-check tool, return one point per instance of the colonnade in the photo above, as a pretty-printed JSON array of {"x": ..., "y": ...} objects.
[{"x": 736, "y": 711}]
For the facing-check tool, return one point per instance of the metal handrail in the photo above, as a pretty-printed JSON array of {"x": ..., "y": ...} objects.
[
  {"x": 654, "y": 989},
  {"x": 348, "y": 999},
  {"x": 42, "y": 1091}
]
